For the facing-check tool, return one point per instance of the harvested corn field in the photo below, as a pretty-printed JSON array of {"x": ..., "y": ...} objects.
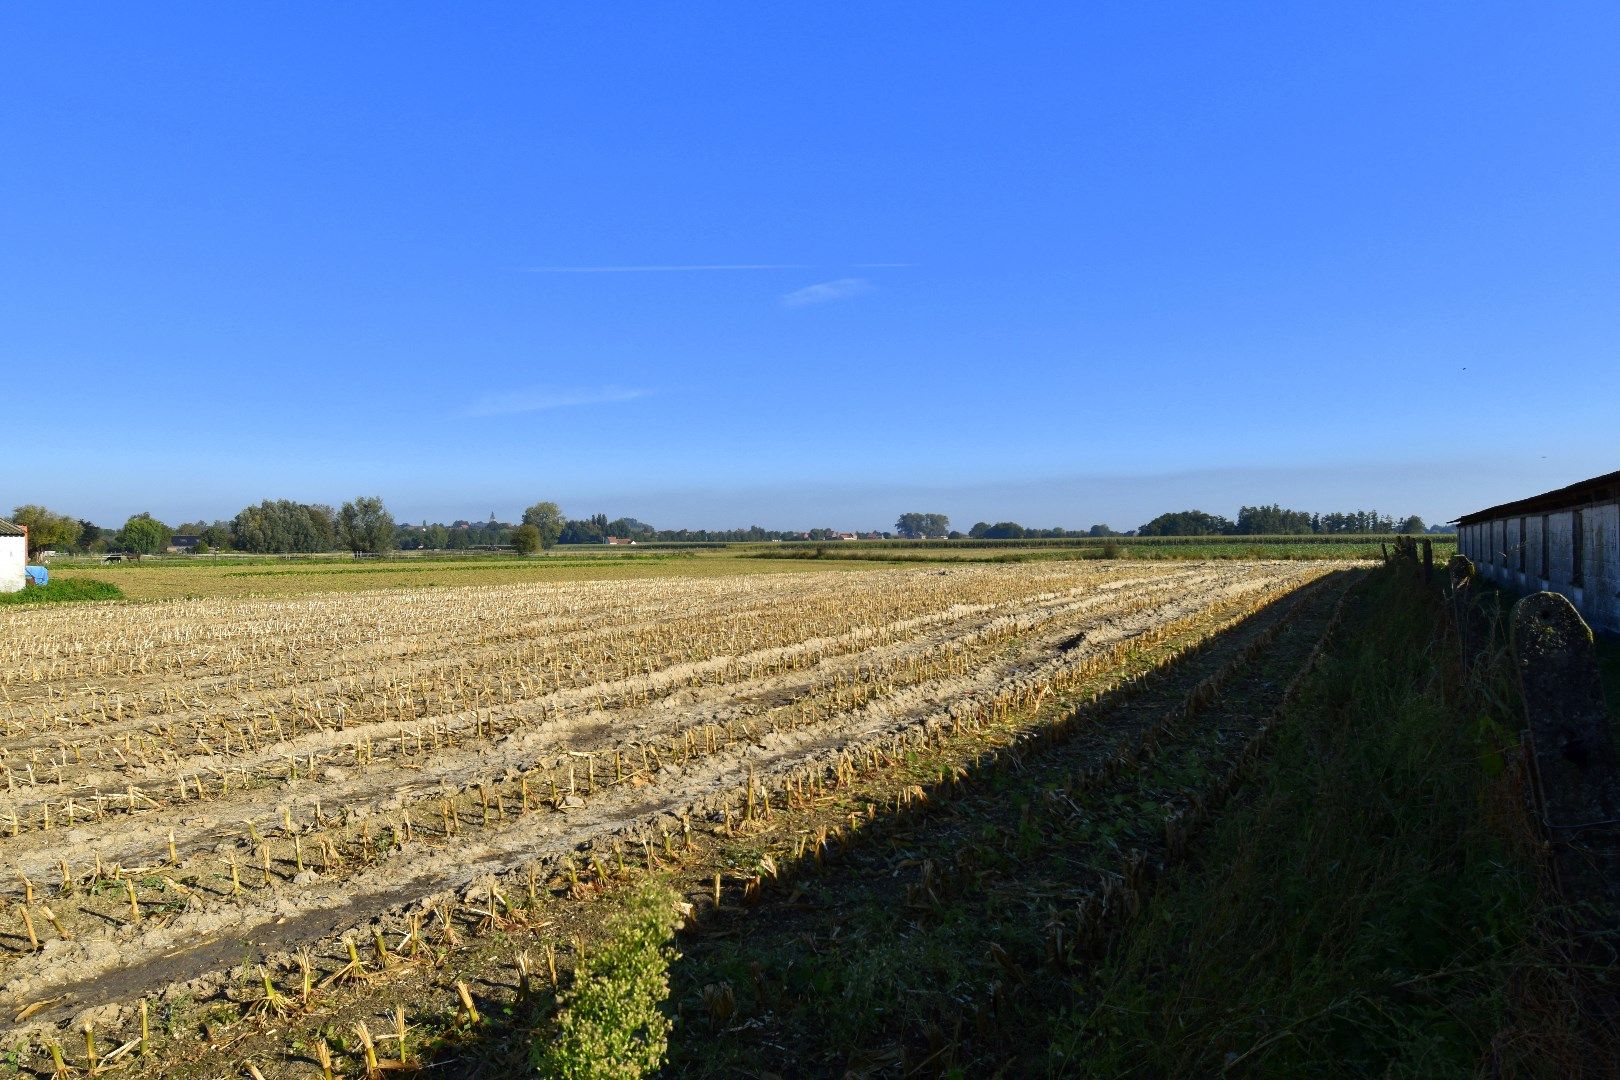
[{"x": 244, "y": 831}]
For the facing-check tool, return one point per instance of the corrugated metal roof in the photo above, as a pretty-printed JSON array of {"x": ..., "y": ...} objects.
[
  {"x": 1598, "y": 489},
  {"x": 8, "y": 529}
]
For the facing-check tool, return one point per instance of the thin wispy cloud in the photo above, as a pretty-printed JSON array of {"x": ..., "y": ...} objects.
[
  {"x": 537, "y": 400},
  {"x": 659, "y": 269},
  {"x": 827, "y": 292}
]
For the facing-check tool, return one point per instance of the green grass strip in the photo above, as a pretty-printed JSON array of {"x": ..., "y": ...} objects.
[
  {"x": 1364, "y": 912},
  {"x": 64, "y": 590}
]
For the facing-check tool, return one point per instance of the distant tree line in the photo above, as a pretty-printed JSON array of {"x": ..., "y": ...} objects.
[
  {"x": 286, "y": 527},
  {"x": 1270, "y": 520},
  {"x": 1273, "y": 520},
  {"x": 364, "y": 526},
  {"x": 49, "y": 531},
  {"x": 273, "y": 527},
  {"x": 1011, "y": 530}
]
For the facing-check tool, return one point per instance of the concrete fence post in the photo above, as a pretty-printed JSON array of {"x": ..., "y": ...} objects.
[{"x": 1462, "y": 576}]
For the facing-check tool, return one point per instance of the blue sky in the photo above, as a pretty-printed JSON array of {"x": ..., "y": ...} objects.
[{"x": 799, "y": 265}]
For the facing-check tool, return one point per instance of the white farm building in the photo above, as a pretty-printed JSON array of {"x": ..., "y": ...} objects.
[
  {"x": 13, "y": 556},
  {"x": 1565, "y": 541}
]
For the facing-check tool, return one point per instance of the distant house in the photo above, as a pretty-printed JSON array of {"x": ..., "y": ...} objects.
[
  {"x": 845, "y": 536},
  {"x": 13, "y": 557},
  {"x": 182, "y": 544},
  {"x": 621, "y": 540}
]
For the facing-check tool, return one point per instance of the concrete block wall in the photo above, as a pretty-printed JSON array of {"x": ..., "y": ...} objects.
[
  {"x": 1561, "y": 554},
  {"x": 1547, "y": 545},
  {"x": 1602, "y": 551},
  {"x": 1534, "y": 551}
]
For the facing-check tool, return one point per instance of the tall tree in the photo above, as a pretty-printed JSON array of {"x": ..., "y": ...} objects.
[
  {"x": 90, "y": 533},
  {"x": 527, "y": 539},
  {"x": 366, "y": 525},
  {"x": 630, "y": 527},
  {"x": 144, "y": 535},
  {"x": 591, "y": 530},
  {"x": 323, "y": 526},
  {"x": 46, "y": 529},
  {"x": 547, "y": 519},
  {"x": 915, "y": 526},
  {"x": 217, "y": 535},
  {"x": 1272, "y": 520},
  {"x": 281, "y": 526},
  {"x": 1186, "y": 523}
]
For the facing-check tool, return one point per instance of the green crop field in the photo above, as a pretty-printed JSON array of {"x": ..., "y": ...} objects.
[
  {"x": 1120, "y": 547},
  {"x": 192, "y": 576}
]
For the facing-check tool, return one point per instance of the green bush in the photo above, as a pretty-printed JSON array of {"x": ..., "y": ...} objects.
[
  {"x": 64, "y": 591},
  {"x": 609, "y": 1026}
]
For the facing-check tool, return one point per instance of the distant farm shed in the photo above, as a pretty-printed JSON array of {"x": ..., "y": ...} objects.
[
  {"x": 1565, "y": 541},
  {"x": 13, "y": 557}
]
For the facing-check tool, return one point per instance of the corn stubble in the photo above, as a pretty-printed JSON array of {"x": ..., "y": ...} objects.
[{"x": 179, "y": 767}]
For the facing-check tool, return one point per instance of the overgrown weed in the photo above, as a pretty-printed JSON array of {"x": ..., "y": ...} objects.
[
  {"x": 610, "y": 1024},
  {"x": 1371, "y": 909}
]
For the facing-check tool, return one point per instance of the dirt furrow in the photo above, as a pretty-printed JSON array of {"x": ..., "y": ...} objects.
[{"x": 556, "y": 719}]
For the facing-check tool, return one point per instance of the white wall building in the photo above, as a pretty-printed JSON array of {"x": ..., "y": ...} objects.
[
  {"x": 13, "y": 556},
  {"x": 1565, "y": 541}
]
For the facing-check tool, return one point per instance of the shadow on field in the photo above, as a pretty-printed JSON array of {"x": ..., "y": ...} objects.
[{"x": 937, "y": 912}]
